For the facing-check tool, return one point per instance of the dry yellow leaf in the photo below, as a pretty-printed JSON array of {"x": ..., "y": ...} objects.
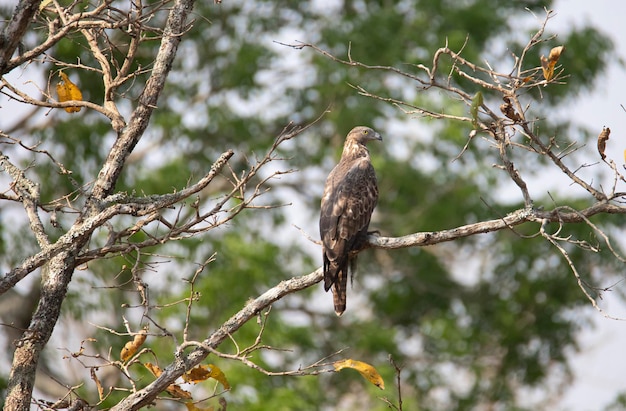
[
  {"x": 548, "y": 64},
  {"x": 367, "y": 371},
  {"x": 67, "y": 91},
  {"x": 548, "y": 71},
  {"x": 154, "y": 369},
  {"x": 218, "y": 375},
  {"x": 175, "y": 391},
  {"x": 197, "y": 374},
  {"x": 204, "y": 372},
  {"x": 131, "y": 347},
  {"x": 192, "y": 407},
  {"x": 555, "y": 53}
]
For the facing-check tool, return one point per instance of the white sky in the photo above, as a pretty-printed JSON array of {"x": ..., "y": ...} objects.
[{"x": 600, "y": 367}]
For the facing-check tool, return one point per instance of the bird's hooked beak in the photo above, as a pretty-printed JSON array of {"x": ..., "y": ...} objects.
[{"x": 378, "y": 137}]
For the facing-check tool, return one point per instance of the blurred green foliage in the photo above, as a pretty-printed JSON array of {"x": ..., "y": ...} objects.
[{"x": 472, "y": 323}]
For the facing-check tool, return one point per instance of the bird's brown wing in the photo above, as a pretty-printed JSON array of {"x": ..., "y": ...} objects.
[{"x": 349, "y": 199}]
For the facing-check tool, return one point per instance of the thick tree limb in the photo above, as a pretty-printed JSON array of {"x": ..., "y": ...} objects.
[
  {"x": 88, "y": 225},
  {"x": 26, "y": 356},
  {"x": 60, "y": 269},
  {"x": 184, "y": 363},
  {"x": 511, "y": 220},
  {"x": 126, "y": 142},
  {"x": 28, "y": 192},
  {"x": 15, "y": 30}
]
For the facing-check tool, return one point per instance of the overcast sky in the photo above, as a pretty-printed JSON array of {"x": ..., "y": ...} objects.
[{"x": 600, "y": 367}]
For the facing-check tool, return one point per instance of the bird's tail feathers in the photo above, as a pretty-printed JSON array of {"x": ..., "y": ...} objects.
[
  {"x": 339, "y": 299},
  {"x": 336, "y": 278},
  {"x": 353, "y": 265},
  {"x": 339, "y": 288},
  {"x": 330, "y": 273},
  {"x": 332, "y": 269}
]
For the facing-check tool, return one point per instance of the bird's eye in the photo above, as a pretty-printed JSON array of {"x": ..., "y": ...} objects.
[{"x": 365, "y": 132}]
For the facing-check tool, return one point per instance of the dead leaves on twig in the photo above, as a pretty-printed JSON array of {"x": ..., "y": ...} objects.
[
  {"x": 131, "y": 347},
  {"x": 507, "y": 109},
  {"x": 548, "y": 64},
  {"x": 193, "y": 407},
  {"x": 602, "y": 139},
  {"x": 195, "y": 375},
  {"x": 67, "y": 91},
  {"x": 96, "y": 380},
  {"x": 367, "y": 371},
  {"x": 173, "y": 389},
  {"x": 204, "y": 372}
]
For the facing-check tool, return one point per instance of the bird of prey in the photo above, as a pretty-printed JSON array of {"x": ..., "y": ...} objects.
[{"x": 350, "y": 196}]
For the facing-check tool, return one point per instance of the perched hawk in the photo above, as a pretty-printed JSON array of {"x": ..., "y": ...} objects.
[{"x": 349, "y": 199}]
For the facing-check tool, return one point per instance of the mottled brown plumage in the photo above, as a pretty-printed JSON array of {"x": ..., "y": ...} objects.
[{"x": 350, "y": 196}]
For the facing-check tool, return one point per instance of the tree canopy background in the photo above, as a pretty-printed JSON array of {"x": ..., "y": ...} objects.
[{"x": 478, "y": 323}]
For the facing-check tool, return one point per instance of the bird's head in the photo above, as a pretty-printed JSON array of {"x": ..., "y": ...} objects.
[{"x": 363, "y": 134}]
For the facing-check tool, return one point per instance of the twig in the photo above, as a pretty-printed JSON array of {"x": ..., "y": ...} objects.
[{"x": 574, "y": 270}]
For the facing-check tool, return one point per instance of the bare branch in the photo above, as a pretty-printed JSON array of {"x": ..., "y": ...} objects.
[
  {"x": 351, "y": 62},
  {"x": 148, "y": 99},
  {"x": 28, "y": 192},
  {"x": 15, "y": 30},
  {"x": 182, "y": 363},
  {"x": 511, "y": 220},
  {"x": 88, "y": 225},
  {"x": 61, "y": 266},
  {"x": 555, "y": 242}
]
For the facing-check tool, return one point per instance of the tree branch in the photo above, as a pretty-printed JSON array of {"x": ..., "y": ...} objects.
[
  {"x": 183, "y": 363},
  {"x": 128, "y": 139},
  {"x": 88, "y": 225},
  {"x": 59, "y": 271},
  {"x": 28, "y": 193},
  {"x": 26, "y": 356},
  {"x": 511, "y": 220},
  {"x": 15, "y": 30}
]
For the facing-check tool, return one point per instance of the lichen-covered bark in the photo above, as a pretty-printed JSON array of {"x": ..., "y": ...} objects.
[
  {"x": 58, "y": 272},
  {"x": 15, "y": 30},
  {"x": 55, "y": 278}
]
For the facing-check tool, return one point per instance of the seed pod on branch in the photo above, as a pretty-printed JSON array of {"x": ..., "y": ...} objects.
[
  {"x": 507, "y": 109},
  {"x": 602, "y": 139}
]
